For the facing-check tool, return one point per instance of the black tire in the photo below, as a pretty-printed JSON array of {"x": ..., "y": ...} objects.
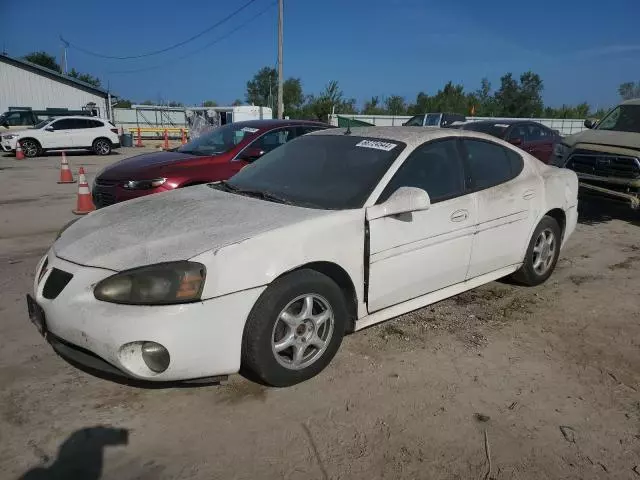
[
  {"x": 30, "y": 147},
  {"x": 259, "y": 361},
  {"x": 102, "y": 146},
  {"x": 529, "y": 274}
]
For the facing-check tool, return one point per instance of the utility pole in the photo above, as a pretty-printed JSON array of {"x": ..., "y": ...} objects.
[
  {"x": 65, "y": 46},
  {"x": 280, "y": 79}
]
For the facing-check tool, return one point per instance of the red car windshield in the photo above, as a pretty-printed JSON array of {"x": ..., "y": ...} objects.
[{"x": 220, "y": 140}]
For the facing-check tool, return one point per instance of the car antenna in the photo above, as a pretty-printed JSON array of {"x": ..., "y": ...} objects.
[{"x": 348, "y": 130}]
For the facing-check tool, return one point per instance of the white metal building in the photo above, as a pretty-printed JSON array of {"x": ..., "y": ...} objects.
[{"x": 23, "y": 84}]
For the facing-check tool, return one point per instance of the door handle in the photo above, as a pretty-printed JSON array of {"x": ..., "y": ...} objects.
[
  {"x": 459, "y": 215},
  {"x": 529, "y": 194}
]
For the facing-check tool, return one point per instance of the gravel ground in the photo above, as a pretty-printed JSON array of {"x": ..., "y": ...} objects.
[{"x": 544, "y": 382}]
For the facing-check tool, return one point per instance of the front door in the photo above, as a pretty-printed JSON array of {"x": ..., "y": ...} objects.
[
  {"x": 62, "y": 135},
  {"x": 420, "y": 252},
  {"x": 507, "y": 194}
]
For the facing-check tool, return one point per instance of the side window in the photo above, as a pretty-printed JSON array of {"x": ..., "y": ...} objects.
[
  {"x": 305, "y": 130},
  {"x": 18, "y": 119},
  {"x": 537, "y": 133},
  {"x": 435, "y": 167},
  {"x": 64, "y": 124},
  {"x": 82, "y": 123},
  {"x": 93, "y": 124},
  {"x": 490, "y": 164},
  {"x": 518, "y": 132},
  {"x": 274, "y": 139}
]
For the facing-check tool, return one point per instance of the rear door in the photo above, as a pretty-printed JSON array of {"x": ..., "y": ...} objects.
[
  {"x": 85, "y": 131},
  {"x": 507, "y": 193}
]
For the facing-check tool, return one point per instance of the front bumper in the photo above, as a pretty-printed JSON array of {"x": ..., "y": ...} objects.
[
  {"x": 9, "y": 145},
  {"x": 110, "y": 192},
  {"x": 203, "y": 339}
]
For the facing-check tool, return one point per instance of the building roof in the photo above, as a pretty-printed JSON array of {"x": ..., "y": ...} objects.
[{"x": 52, "y": 74}]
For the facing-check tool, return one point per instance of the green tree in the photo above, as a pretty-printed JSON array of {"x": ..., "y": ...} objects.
[
  {"x": 85, "y": 77},
  {"x": 395, "y": 105},
  {"x": 629, "y": 90},
  {"x": 175, "y": 104},
  {"x": 237, "y": 102},
  {"x": 373, "y": 107},
  {"x": 148, "y": 102},
  {"x": 523, "y": 99},
  {"x": 484, "y": 105},
  {"x": 44, "y": 60},
  {"x": 262, "y": 89},
  {"x": 209, "y": 103},
  {"x": 423, "y": 104},
  {"x": 319, "y": 107}
]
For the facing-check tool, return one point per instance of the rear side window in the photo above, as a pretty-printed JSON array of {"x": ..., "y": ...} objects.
[
  {"x": 490, "y": 164},
  {"x": 64, "y": 124},
  {"x": 434, "y": 167}
]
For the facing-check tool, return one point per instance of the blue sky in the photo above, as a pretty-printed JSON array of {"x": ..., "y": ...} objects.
[{"x": 583, "y": 49}]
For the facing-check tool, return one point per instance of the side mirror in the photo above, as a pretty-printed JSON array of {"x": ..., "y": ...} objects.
[
  {"x": 588, "y": 123},
  {"x": 250, "y": 154},
  {"x": 515, "y": 141},
  {"x": 403, "y": 200},
  {"x": 49, "y": 129}
]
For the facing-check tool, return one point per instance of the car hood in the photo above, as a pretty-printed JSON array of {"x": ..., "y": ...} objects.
[
  {"x": 175, "y": 225},
  {"x": 605, "y": 137},
  {"x": 131, "y": 168}
]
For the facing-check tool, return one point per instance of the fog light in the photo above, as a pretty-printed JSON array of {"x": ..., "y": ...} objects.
[{"x": 155, "y": 356}]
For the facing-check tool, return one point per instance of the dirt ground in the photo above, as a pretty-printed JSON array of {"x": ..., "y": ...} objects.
[{"x": 531, "y": 383}]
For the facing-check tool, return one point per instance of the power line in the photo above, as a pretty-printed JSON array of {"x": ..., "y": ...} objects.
[
  {"x": 210, "y": 44},
  {"x": 156, "y": 52}
]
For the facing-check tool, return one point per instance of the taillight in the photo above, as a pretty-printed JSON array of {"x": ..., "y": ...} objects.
[{"x": 114, "y": 130}]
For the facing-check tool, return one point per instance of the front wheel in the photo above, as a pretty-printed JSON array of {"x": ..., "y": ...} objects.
[
  {"x": 102, "y": 146},
  {"x": 294, "y": 329},
  {"x": 542, "y": 253},
  {"x": 30, "y": 148}
]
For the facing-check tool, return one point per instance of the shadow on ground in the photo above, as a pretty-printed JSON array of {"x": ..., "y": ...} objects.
[
  {"x": 80, "y": 457},
  {"x": 594, "y": 210}
]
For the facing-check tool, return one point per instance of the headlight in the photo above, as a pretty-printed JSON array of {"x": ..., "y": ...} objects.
[
  {"x": 9, "y": 137},
  {"x": 560, "y": 149},
  {"x": 144, "y": 184},
  {"x": 161, "y": 284},
  {"x": 67, "y": 225}
]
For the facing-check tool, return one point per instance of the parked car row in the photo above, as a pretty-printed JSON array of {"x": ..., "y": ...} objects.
[{"x": 264, "y": 272}]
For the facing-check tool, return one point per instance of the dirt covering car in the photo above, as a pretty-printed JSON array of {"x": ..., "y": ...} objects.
[{"x": 606, "y": 156}]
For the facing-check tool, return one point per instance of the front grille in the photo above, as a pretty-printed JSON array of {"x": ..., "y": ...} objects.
[
  {"x": 55, "y": 283},
  {"x": 104, "y": 192},
  {"x": 604, "y": 165}
]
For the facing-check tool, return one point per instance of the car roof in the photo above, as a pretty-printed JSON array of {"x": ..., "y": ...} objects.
[
  {"x": 77, "y": 117},
  {"x": 633, "y": 101},
  {"x": 499, "y": 121},
  {"x": 271, "y": 123},
  {"x": 412, "y": 136}
]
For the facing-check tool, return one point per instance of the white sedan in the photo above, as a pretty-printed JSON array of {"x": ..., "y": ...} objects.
[{"x": 328, "y": 234}]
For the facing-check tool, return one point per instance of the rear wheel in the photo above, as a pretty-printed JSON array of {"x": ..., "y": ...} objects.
[
  {"x": 294, "y": 329},
  {"x": 31, "y": 148},
  {"x": 542, "y": 253},
  {"x": 102, "y": 146}
]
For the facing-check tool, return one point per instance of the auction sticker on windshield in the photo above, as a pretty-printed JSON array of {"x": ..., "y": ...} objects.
[
  {"x": 387, "y": 147},
  {"x": 249, "y": 129}
]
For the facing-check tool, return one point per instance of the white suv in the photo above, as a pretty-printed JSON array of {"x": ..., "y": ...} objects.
[{"x": 64, "y": 133}]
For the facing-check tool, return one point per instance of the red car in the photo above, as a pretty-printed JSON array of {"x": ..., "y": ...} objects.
[
  {"x": 532, "y": 137},
  {"x": 214, "y": 156}
]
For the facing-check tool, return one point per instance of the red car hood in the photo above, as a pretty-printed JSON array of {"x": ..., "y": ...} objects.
[{"x": 148, "y": 163}]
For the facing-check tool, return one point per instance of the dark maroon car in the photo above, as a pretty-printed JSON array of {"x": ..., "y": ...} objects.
[
  {"x": 214, "y": 156},
  {"x": 532, "y": 137}
]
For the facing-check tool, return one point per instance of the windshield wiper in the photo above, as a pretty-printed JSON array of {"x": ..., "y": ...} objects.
[{"x": 272, "y": 197}]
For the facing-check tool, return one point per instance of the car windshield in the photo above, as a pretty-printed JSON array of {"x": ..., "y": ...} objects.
[
  {"x": 42, "y": 123},
  {"x": 334, "y": 172},
  {"x": 623, "y": 118},
  {"x": 494, "y": 129},
  {"x": 415, "y": 121},
  {"x": 220, "y": 140}
]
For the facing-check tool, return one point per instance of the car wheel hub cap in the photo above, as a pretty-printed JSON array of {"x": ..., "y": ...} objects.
[
  {"x": 302, "y": 332},
  {"x": 544, "y": 251}
]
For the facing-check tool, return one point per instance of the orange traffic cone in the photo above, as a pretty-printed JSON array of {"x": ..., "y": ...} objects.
[
  {"x": 139, "y": 142},
  {"x": 19, "y": 152},
  {"x": 65, "y": 174},
  {"x": 85, "y": 203},
  {"x": 166, "y": 140},
  {"x": 184, "y": 136}
]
